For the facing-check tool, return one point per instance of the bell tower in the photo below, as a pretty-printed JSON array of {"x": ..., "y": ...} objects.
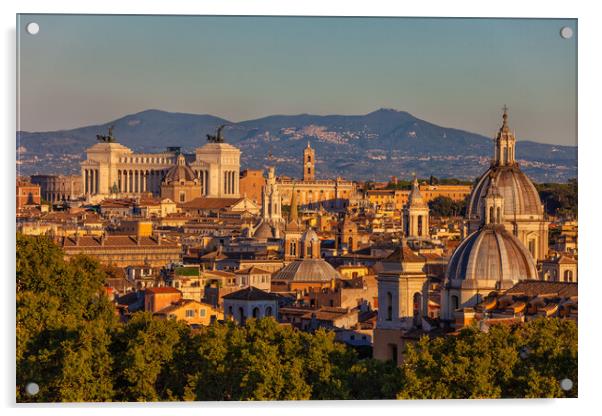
[{"x": 309, "y": 162}]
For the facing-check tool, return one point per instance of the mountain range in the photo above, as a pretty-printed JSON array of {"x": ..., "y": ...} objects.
[{"x": 374, "y": 146}]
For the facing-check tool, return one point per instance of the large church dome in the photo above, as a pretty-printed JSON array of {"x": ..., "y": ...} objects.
[
  {"x": 490, "y": 258},
  {"x": 520, "y": 196}
]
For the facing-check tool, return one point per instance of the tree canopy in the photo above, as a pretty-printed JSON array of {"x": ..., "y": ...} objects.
[
  {"x": 559, "y": 199},
  {"x": 70, "y": 343}
]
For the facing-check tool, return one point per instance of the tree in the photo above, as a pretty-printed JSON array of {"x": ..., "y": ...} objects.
[
  {"x": 524, "y": 360},
  {"x": 142, "y": 349},
  {"x": 560, "y": 199},
  {"x": 443, "y": 206},
  {"x": 64, "y": 322}
]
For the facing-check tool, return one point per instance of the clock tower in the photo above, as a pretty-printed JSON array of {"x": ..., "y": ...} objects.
[{"x": 309, "y": 161}]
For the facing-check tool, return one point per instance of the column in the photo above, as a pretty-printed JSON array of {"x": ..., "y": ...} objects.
[
  {"x": 85, "y": 181},
  {"x": 92, "y": 190}
]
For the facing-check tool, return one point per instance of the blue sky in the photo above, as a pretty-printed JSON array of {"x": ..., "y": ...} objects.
[{"x": 85, "y": 69}]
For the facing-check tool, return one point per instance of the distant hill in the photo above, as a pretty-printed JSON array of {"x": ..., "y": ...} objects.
[{"x": 374, "y": 146}]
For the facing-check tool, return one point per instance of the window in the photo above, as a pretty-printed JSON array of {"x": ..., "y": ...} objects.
[
  {"x": 389, "y": 306},
  {"x": 568, "y": 276},
  {"x": 532, "y": 247},
  {"x": 182, "y": 196},
  {"x": 203, "y": 312},
  {"x": 189, "y": 313}
]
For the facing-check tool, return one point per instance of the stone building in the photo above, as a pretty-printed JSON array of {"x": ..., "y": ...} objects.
[
  {"x": 57, "y": 188},
  {"x": 111, "y": 169},
  {"x": 251, "y": 184},
  {"x": 27, "y": 194},
  {"x": 124, "y": 250},
  {"x": 250, "y": 303},
  {"x": 560, "y": 268},
  {"x": 311, "y": 193},
  {"x": 522, "y": 212}
]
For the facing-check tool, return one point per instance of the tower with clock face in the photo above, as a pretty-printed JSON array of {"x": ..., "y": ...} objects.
[{"x": 309, "y": 162}]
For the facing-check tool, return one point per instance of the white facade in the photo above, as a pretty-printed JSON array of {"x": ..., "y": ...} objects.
[{"x": 114, "y": 170}]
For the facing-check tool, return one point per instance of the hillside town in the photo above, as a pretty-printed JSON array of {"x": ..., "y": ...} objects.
[{"x": 191, "y": 237}]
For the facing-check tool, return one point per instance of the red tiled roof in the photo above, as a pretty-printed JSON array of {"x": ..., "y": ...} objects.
[
  {"x": 210, "y": 203},
  {"x": 114, "y": 241},
  {"x": 161, "y": 290}
]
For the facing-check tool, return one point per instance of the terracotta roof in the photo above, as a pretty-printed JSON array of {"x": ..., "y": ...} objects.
[
  {"x": 404, "y": 254},
  {"x": 210, "y": 203},
  {"x": 115, "y": 241},
  {"x": 251, "y": 293},
  {"x": 540, "y": 287},
  {"x": 252, "y": 270}
]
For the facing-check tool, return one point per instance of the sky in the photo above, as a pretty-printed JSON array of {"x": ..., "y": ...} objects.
[{"x": 90, "y": 69}]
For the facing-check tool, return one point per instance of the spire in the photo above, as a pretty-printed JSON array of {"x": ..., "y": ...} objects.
[
  {"x": 294, "y": 214},
  {"x": 415, "y": 197},
  {"x": 504, "y": 142}
]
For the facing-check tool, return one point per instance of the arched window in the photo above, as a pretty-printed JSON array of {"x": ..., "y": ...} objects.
[
  {"x": 389, "y": 306},
  {"x": 268, "y": 311},
  {"x": 241, "y": 314},
  {"x": 420, "y": 226},
  {"x": 491, "y": 217},
  {"x": 256, "y": 312},
  {"x": 499, "y": 215},
  {"x": 568, "y": 275}
]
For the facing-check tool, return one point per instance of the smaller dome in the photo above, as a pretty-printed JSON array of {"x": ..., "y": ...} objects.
[
  {"x": 180, "y": 172},
  {"x": 264, "y": 231},
  {"x": 309, "y": 236},
  {"x": 307, "y": 270},
  {"x": 490, "y": 258}
]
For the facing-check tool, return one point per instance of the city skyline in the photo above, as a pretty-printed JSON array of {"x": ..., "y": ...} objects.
[{"x": 235, "y": 68}]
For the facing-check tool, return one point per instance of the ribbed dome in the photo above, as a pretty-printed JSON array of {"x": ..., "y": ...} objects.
[
  {"x": 490, "y": 258},
  {"x": 520, "y": 196},
  {"x": 307, "y": 270},
  {"x": 180, "y": 172}
]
